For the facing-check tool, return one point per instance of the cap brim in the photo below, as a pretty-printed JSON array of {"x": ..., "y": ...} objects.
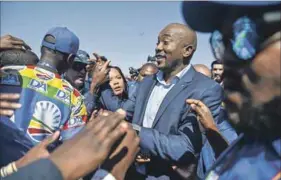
[
  {"x": 207, "y": 16},
  {"x": 81, "y": 61}
]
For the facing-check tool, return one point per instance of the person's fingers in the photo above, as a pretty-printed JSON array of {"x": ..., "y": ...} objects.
[
  {"x": 114, "y": 135},
  {"x": 18, "y": 47},
  {"x": 9, "y": 105},
  {"x": 91, "y": 60},
  {"x": 9, "y": 96},
  {"x": 17, "y": 42},
  {"x": 105, "y": 113},
  {"x": 111, "y": 122},
  {"x": 96, "y": 56},
  {"x": 94, "y": 114},
  {"x": 197, "y": 109},
  {"x": 26, "y": 46},
  {"x": 95, "y": 123},
  {"x": 98, "y": 123},
  {"x": 50, "y": 139},
  {"x": 104, "y": 66},
  {"x": 106, "y": 71},
  {"x": 15, "y": 38},
  {"x": 197, "y": 103},
  {"x": 201, "y": 104},
  {"x": 6, "y": 112},
  {"x": 121, "y": 112},
  {"x": 191, "y": 101}
]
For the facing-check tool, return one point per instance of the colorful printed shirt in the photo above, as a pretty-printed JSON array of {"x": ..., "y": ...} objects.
[{"x": 49, "y": 103}]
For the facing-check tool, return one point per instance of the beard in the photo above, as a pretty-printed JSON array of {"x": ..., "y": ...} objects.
[{"x": 263, "y": 121}]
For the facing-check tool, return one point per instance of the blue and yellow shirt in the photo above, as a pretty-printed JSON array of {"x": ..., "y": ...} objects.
[{"x": 49, "y": 103}]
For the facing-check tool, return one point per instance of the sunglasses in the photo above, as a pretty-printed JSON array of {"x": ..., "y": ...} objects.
[{"x": 77, "y": 66}]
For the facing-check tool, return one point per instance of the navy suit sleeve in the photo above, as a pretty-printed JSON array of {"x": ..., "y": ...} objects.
[
  {"x": 188, "y": 141},
  {"x": 90, "y": 102},
  {"x": 176, "y": 148},
  {"x": 213, "y": 97},
  {"x": 41, "y": 169}
]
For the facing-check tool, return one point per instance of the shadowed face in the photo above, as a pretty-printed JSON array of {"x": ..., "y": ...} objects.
[
  {"x": 76, "y": 75},
  {"x": 217, "y": 72},
  {"x": 255, "y": 105}
]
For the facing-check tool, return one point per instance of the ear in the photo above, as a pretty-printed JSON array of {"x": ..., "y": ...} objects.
[
  {"x": 70, "y": 59},
  {"x": 187, "y": 51}
]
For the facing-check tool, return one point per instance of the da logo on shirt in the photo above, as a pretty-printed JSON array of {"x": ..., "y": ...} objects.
[
  {"x": 43, "y": 76},
  {"x": 76, "y": 121},
  {"x": 66, "y": 86},
  {"x": 38, "y": 86},
  {"x": 10, "y": 79},
  {"x": 45, "y": 120},
  {"x": 63, "y": 96}
]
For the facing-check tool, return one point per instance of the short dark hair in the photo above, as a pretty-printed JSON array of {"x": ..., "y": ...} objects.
[
  {"x": 216, "y": 62},
  {"x": 18, "y": 57}
]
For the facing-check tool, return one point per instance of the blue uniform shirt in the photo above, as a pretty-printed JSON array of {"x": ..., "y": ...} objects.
[{"x": 248, "y": 158}]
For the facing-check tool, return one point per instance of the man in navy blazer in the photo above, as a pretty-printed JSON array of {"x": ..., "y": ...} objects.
[{"x": 169, "y": 132}]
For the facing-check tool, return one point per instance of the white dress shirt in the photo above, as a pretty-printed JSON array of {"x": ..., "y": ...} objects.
[{"x": 158, "y": 94}]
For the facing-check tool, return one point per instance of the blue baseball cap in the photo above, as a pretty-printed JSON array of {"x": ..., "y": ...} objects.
[
  {"x": 208, "y": 16},
  {"x": 65, "y": 40}
]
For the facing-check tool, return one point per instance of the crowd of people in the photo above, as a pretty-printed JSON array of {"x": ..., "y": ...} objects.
[{"x": 70, "y": 115}]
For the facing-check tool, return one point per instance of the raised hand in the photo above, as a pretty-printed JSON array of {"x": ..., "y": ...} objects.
[
  {"x": 204, "y": 114},
  {"x": 89, "y": 148},
  {"x": 11, "y": 42},
  {"x": 100, "y": 75},
  {"x": 124, "y": 155},
  {"x": 37, "y": 152}
]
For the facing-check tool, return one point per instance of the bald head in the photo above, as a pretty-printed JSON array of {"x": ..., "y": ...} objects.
[
  {"x": 203, "y": 70},
  {"x": 147, "y": 70},
  {"x": 184, "y": 33},
  {"x": 175, "y": 48}
]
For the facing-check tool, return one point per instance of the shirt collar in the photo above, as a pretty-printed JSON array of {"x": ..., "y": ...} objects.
[
  {"x": 48, "y": 66},
  {"x": 178, "y": 76}
]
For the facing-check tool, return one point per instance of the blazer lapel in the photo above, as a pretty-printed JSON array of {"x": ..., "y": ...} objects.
[
  {"x": 181, "y": 85},
  {"x": 146, "y": 94}
]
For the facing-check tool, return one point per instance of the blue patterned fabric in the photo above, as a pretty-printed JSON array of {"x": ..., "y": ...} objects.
[{"x": 245, "y": 39}]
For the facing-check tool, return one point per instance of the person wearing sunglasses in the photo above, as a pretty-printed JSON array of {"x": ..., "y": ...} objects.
[
  {"x": 76, "y": 74},
  {"x": 251, "y": 36}
]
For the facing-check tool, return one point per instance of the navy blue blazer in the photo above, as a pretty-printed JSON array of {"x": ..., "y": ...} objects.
[{"x": 175, "y": 138}]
